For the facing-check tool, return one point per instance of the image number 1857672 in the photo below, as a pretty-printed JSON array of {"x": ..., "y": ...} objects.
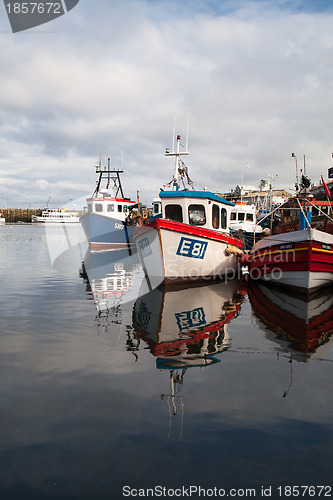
[{"x": 24, "y": 15}]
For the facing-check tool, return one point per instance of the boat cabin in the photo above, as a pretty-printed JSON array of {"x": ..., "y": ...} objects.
[
  {"x": 105, "y": 204},
  {"x": 157, "y": 207},
  {"x": 242, "y": 212},
  {"x": 197, "y": 208}
]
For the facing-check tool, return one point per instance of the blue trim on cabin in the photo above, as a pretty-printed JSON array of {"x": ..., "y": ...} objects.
[{"x": 195, "y": 194}]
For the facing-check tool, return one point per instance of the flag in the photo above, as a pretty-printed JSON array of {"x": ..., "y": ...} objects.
[{"x": 327, "y": 191}]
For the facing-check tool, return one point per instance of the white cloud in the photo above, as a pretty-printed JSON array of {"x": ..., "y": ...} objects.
[{"x": 256, "y": 80}]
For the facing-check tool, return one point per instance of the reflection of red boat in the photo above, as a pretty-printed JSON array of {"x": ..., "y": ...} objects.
[
  {"x": 187, "y": 326},
  {"x": 305, "y": 321}
]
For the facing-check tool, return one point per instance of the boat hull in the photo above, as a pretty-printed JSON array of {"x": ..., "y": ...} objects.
[
  {"x": 301, "y": 259},
  {"x": 107, "y": 233},
  {"x": 173, "y": 252}
]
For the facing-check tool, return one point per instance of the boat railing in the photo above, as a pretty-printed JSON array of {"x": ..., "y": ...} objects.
[{"x": 296, "y": 208}]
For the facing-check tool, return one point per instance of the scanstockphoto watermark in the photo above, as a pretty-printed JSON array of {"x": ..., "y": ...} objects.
[
  {"x": 188, "y": 492},
  {"x": 25, "y": 15}
]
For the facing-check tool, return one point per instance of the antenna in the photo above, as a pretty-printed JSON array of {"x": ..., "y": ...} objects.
[
  {"x": 174, "y": 133},
  {"x": 187, "y": 127}
]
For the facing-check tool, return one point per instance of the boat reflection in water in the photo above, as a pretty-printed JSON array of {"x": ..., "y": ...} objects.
[
  {"x": 301, "y": 324},
  {"x": 185, "y": 328},
  {"x": 110, "y": 281}
]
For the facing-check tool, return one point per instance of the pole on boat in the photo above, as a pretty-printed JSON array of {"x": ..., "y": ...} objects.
[
  {"x": 139, "y": 208},
  {"x": 296, "y": 185}
]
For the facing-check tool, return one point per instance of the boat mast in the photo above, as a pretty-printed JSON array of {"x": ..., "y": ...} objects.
[
  {"x": 109, "y": 175},
  {"x": 178, "y": 174}
]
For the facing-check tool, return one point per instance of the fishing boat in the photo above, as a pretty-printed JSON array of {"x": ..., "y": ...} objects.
[
  {"x": 243, "y": 224},
  {"x": 108, "y": 221},
  {"x": 2, "y": 219},
  {"x": 56, "y": 216},
  {"x": 299, "y": 253},
  {"x": 191, "y": 240},
  {"x": 302, "y": 259}
]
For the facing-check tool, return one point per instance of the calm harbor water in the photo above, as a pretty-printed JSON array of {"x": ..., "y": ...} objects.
[{"x": 111, "y": 391}]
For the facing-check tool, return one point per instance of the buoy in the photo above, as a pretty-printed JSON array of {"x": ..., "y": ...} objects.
[{"x": 232, "y": 250}]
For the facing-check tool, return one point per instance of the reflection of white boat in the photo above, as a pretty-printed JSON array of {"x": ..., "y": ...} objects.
[
  {"x": 302, "y": 323},
  {"x": 111, "y": 276},
  {"x": 59, "y": 216},
  {"x": 191, "y": 240},
  {"x": 106, "y": 223},
  {"x": 186, "y": 326}
]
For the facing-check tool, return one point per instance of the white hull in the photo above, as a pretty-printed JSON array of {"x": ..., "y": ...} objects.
[
  {"x": 169, "y": 256},
  {"x": 299, "y": 280}
]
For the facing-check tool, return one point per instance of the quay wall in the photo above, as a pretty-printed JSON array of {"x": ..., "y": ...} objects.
[{"x": 13, "y": 215}]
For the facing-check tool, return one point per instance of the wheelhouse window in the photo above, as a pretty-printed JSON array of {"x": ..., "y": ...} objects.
[
  {"x": 174, "y": 212},
  {"x": 98, "y": 207},
  {"x": 249, "y": 217},
  {"x": 233, "y": 216},
  {"x": 157, "y": 208},
  {"x": 89, "y": 207},
  {"x": 197, "y": 215},
  {"x": 241, "y": 216},
  {"x": 110, "y": 208},
  {"x": 224, "y": 218},
  {"x": 120, "y": 208},
  {"x": 216, "y": 216},
  {"x": 125, "y": 208}
]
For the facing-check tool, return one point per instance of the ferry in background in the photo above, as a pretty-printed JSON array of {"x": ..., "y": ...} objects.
[
  {"x": 191, "y": 240},
  {"x": 58, "y": 216},
  {"x": 109, "y": 221}
]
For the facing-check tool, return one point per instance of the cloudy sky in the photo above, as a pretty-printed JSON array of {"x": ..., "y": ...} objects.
[{"x": 255, "y": 76}]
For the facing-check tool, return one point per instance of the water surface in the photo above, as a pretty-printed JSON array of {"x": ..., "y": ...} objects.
[{"x": 108, "y": 387}]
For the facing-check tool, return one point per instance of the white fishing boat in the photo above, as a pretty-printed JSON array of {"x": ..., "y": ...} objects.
[
  {"x": 243, "y": 223},
  {"x": 56, "y": 216},
  {"x": 109, "y": 221},
  {"x": 2, "y": 219},
  {"x": 191, "y": 240}
]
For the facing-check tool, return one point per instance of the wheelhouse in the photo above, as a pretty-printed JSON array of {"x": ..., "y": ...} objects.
[
  {"x": 107, "y": 205},
  {"x": 199, "y": 208},
  {"x": 243, "y": 213}
]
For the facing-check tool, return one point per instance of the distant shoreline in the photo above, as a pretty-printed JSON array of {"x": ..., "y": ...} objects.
[{"x": 17, "y": 215}]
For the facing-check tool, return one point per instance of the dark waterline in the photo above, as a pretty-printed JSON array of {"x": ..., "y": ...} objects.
[{"x": 176, "y": 389}]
